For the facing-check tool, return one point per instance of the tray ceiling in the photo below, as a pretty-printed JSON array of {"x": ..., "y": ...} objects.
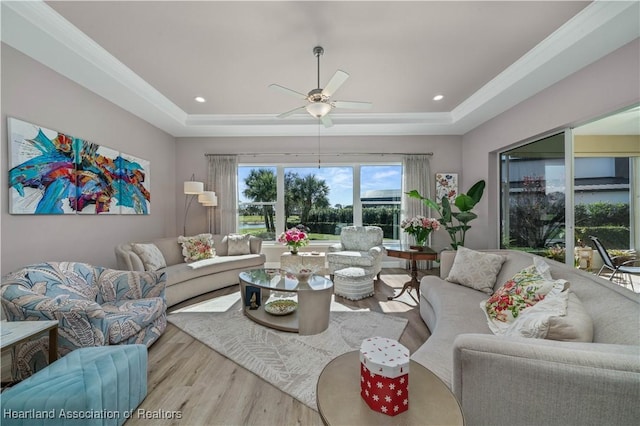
[{"x": 153, "y": 57}]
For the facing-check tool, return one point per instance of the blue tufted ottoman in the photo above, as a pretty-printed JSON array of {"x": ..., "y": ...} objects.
[{"x": 99, "y": 385}]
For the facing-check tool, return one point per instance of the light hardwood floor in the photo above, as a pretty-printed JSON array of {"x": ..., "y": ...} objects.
[{"x": 189, "y": 379}]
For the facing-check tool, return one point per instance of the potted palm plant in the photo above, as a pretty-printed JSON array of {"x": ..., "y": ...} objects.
[{"x": 456, "y": 223}]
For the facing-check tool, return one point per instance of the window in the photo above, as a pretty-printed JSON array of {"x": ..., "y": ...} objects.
[
  {"x": 275, "y": 197},
  {"x": 381, "y": 196},
  {"x": 257, "y": 201},
  {"x": 320, "y": 198}
]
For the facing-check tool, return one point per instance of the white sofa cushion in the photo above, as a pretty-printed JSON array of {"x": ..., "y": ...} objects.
[
  {"x": 575, "y": 326},
  {"x": 534, "y": 322},
  {"x": 238, "y": 244},
  {"x": 151, "y": 256},
  {"x": 475, "y": 269}
]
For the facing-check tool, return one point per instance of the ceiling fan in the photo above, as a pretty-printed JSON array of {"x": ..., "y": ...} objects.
[{"x": 319, "y": 100}]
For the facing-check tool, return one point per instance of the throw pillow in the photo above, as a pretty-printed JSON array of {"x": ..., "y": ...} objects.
[
  {"x": 197, "y": 247},
  {"x": 575, "y": 326},
  {"x": 534, "y": 322},
  {"x": 238, "y": 244},
  {"x": 525, "y": 289},
  {"x": 151, "y": 256},
  {"x": 475, "y": 269}
]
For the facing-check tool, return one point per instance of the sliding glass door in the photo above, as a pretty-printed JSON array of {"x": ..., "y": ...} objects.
[
  {"x": 533, "y": 197},
  {"x": 559, "y": 190}
]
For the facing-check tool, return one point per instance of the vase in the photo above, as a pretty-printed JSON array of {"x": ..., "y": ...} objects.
[
  {"x": 421, "y": 242},
  {"x": 294, "y": 250}
]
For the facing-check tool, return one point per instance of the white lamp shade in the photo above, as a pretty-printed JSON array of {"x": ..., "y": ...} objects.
[
  {"x": 192, "y": 187},
  {"x": 318, "y": 109},
  {"x": 208, "y": 198}
]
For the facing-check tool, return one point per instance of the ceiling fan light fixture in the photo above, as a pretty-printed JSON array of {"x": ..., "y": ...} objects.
[
  {"x": 318, "y": 109},
  {"x": 319, "y": 100}
]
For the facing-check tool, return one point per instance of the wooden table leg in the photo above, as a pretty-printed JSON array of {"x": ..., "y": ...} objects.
[
  {"x": 414, "y": 283},
  {"x": 53, "y": 344}
]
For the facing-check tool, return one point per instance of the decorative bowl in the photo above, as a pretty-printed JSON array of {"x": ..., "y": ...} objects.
[
  {"x": 303, "y": 277},
  {"x": 301, "y": 272},
  {"x": 280, "y": 307}
]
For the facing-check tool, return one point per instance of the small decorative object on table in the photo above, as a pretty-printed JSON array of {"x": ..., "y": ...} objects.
[
  {"x": 301, "y": 272},
  {"x": 295, "y": 238},
  {"x": 252, "y": 297},
  {"x": 384, "y": 375},
  {"x": 420, "y": 227}
]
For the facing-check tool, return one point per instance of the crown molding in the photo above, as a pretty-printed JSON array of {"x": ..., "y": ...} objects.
[
  {"x": 345, "y": 124},
  {"x": 598, "y": 29},
  {"x": 38, "y": 31}
]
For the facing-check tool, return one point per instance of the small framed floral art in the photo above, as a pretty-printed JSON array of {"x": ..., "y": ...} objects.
[{"x": 446, "y": 186}]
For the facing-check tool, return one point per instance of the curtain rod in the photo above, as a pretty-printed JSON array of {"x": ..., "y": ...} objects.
[{"x": 256, "y": 154}]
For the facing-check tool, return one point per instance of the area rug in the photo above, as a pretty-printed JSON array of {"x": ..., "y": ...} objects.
[{"x": 289, "y": 361}]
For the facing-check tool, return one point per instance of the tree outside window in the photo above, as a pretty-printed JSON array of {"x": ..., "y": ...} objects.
[{"x": 319, "y": 198}]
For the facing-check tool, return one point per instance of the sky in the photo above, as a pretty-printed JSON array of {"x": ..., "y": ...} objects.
[{"x": 339, "y": 179}]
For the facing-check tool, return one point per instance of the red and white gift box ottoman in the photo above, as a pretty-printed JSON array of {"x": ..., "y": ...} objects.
[{"x": 384, "y": 375}]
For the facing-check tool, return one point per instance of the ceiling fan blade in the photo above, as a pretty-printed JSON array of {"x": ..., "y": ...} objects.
[
  {"x": 288, "y": 113},
  {"x": 288, "y": 91},
  {"x": 352, "y": 104},
  {"x": 334, "y": 84},
  {"x": 326, "y": 120}
]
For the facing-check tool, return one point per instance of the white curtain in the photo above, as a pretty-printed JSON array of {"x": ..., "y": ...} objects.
[
  {"x": 416, "y": 176},
  {"x": 222, "y": 177}
]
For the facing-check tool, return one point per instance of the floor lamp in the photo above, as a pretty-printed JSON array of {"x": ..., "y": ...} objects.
[
  {"x": 208, "y": 199},
  {"x": 191, "y": 189}
]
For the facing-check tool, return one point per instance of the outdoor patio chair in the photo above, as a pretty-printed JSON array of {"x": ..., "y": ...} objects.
[{"x": 623, "y": 268}]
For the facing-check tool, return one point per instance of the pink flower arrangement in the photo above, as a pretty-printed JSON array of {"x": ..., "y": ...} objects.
[
  {"x": 420, "y": 227},
  {"x": 295, "y": 237}
]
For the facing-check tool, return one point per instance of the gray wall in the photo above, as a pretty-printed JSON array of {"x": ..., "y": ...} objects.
[
  {"x": 36, "y": 94},
  {"x": 601, "y": 88}
]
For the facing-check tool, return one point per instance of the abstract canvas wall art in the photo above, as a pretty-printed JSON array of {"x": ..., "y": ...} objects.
[
  {"x": 134, "y": 193},
  {"x": 41, "y": 170},
  {"x": 97, "y": 179},
  {"x": 53, "y": 173},
  {"x": 446, "y": 186}
]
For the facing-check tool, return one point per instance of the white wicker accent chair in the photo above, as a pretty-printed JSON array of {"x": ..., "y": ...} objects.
[{"x": 360, "y": 246}]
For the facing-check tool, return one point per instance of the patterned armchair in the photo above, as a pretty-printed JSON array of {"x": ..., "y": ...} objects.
[
  {"x": 94, "y": 306},
  {"x": 360, "y": 246}
]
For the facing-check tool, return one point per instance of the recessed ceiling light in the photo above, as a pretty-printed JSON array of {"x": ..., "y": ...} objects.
[
  {"x": 200, "y": 99},
  {"x": 438, "y": 97}
]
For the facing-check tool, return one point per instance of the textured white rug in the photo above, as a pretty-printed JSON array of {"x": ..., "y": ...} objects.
[{"x": 291, "y": 362}]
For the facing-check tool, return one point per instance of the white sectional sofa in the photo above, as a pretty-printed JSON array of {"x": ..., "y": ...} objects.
[
  {"x": 502, "y": 380},
  {"x": 184, "y": 281}
]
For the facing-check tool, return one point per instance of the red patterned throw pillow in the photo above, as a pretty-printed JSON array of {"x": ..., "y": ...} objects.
[
  {"x": 525, "y": 289},
  {"x": 198, "y": 247}
]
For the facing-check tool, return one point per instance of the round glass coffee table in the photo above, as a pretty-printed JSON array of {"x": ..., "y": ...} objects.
[
  {"x": 278, "y": 300},
  {"x": 339, "y": 401}
]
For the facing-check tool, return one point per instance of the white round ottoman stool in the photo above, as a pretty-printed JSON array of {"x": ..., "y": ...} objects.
[{"x": 353, "y": 283}]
